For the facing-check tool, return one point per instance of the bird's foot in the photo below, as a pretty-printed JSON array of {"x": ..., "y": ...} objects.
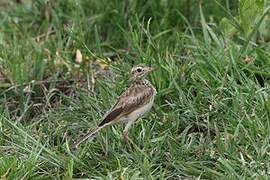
[{"x": 127, "y": 140}]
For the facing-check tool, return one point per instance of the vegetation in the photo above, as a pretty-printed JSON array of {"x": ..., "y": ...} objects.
[{"x": 63, "y": 64}]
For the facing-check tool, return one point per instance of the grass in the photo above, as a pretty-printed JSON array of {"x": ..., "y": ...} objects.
[{"x": 211, "y": 114}]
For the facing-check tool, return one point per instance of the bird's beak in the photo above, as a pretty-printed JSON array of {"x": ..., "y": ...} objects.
[{"x": 150, "y": 69}]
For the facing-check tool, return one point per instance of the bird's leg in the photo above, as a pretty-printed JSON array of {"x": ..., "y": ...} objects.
[
  {"x": 127, "y": 140},
  {"x": 125, "y": 133}
]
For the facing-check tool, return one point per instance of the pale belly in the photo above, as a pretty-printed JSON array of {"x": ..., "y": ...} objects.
[{"x": 140, "y": 112}]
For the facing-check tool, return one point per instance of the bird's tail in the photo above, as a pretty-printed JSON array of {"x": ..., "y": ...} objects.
[{"x": 85, "y": 137}]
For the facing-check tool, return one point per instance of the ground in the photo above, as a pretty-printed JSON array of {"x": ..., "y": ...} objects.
[{"x": 64, "y": 63}]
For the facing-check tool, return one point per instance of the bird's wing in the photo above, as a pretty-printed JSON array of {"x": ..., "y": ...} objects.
[{"x": 130, "y": 100}]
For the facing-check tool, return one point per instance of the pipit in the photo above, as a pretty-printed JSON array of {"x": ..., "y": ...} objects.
[{"x": 137, "y": 100}]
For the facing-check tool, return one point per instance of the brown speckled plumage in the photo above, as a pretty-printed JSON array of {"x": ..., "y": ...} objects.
[{"x": 137, "y": 95}]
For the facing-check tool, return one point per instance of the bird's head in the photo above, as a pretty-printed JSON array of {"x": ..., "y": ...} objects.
[{"x": 140, "y": 72}]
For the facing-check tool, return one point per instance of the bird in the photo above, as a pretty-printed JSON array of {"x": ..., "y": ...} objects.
[{"x": 131, "y": 105}]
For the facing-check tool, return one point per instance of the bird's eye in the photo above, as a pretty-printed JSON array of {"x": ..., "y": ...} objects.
[{"x": 139, "y": 70}]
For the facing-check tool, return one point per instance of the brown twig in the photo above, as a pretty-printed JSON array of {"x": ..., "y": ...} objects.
[{"x": 48, "y": 33}]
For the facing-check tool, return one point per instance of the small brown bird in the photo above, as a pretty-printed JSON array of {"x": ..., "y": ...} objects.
[{"x": 130, "y": 106}]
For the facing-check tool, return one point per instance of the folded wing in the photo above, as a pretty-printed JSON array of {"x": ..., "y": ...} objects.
[{"x": 132, "y": 99}]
